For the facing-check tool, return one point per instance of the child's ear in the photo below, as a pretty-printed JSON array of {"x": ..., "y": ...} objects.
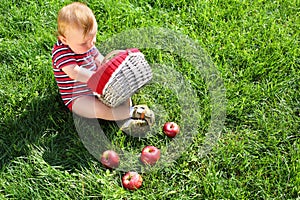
[{"x": 63, "y": 39}]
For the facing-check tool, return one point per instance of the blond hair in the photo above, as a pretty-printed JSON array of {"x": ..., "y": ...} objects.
[{"x": 75, "y": 14}]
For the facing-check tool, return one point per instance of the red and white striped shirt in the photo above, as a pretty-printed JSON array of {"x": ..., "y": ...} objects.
[{"x": 63, "y": 56}]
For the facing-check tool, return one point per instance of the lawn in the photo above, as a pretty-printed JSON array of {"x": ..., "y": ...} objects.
[{"x": 226, "y": 71}]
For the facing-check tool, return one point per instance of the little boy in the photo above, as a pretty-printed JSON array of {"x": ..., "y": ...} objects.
[{"x": 75, "y": 59}]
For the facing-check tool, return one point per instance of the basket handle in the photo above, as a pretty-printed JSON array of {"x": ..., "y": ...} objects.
[{"x": 112, "y": 54}]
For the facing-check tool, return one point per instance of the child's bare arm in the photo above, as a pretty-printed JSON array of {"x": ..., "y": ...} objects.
[{"x": 77, "y": 73}]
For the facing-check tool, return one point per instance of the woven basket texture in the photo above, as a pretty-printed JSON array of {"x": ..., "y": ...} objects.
[{"x": 132, "y": 74}]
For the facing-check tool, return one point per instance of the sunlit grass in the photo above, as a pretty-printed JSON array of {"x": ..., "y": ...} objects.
[{"x": 255, "y": 47}]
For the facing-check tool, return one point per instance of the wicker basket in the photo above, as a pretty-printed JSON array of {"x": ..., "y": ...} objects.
[{"x": 122, "y": 76}]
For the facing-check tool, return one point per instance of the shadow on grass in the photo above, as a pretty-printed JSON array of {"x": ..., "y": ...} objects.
[{"x": 47, "y": 126}]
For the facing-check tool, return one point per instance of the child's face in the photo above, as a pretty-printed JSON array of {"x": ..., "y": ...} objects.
[{"x": 75, "y": 39}]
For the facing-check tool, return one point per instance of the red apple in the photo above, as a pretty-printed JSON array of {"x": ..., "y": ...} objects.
[
  {"x": 132, "y": 181},
  {"x": 150, "y": 155},
  {"x": 110, "y": 159},
  {"x": 171, "y": 129}
]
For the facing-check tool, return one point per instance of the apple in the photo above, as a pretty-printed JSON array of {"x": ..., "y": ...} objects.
[
  {"x": 110, "y": 159},
  {"x": 132, "y": 181},
  {"x": 171, "y": 129},
  {"x": 150, "y": 155}
]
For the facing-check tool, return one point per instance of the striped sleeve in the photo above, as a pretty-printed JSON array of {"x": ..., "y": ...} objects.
[{"x": 62, "y": 56}]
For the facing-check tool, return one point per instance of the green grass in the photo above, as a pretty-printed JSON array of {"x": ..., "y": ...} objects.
[{"x": 254, "y": 45}]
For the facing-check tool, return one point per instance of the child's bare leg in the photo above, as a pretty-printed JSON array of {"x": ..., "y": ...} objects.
[{"x": 90, "y": 107}]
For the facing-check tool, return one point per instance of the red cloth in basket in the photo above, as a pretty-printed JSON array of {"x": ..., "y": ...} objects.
[{"x": 99, "y": 79}]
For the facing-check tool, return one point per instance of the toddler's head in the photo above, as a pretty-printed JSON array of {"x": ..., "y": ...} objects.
[{"x": 77, "y": 27}]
